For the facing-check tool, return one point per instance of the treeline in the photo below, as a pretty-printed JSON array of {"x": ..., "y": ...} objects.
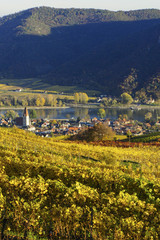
[
  {"x": 41, "y": 100},
  {"x": 81, "y": 97},
  {"x": 51, "y": 17},
  {"x": 31, "y": 100}
]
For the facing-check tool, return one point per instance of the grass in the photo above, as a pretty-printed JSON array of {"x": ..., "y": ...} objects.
[
  {"x": 39, "y": 85},
  {"x": 121, "y": 137},
  {"x": 72, "y": 89},
  {"x": 32, "y": 94},
  {"x": 29, "y": 83},
  {"x": 33, "y": 89}
]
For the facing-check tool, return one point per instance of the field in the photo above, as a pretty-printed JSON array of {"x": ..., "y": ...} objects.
[
  {"x": 57, "y": 189},
  {"x": 41, "y": 95},
  {"x": 30, "y": 83},
  {"x": 35, "y": 84},
  {"x": 151, "y": 137},
  {"x": 33, "y": 94}
]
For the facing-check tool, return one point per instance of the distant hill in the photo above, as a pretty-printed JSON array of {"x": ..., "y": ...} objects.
[{"x": 93, "y": 49}]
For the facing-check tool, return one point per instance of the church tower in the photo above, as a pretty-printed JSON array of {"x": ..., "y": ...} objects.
[{"x": 26, "y": 121}]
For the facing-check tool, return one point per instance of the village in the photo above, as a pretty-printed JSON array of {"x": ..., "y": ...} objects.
[{"x": 54, "y": 127}]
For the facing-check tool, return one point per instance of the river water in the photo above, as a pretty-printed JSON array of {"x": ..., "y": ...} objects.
[{"x": 111, "y": 113}]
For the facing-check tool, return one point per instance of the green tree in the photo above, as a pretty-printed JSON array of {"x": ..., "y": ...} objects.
[
  {"x": 130, "y": 83},
  {"x": 42, "y": 101},
  {"x": 101, "y": 113},
  {"x": 123, "y": 116},
  {"x": 38, "y": 102},
  {"x": 32, "y": 113},
  {"x": 96, "y": 133},
  {"x": 24, "y": 102},
  {"x": 81, "y": 97},
  {"x": 60, "y": 103},
  {"x": 51, "y": 100},
  {"x": 148, "y": 116},
  {"x": 129, "y": 135},
  {"x": 84, "y": 98},
  {"x": 126, "y": 98},
  {"x": 11, "y": 114},
  {"x": 114, "y": 102},
  {"x": 31, "y": 100},
  {"x": 14, "y": 101},
  {"x": 7, "y": 102},
  {"x": 76, "y": 97},
  {"x": 141, "y": 95},
  {"x": 54, "y": 102}
]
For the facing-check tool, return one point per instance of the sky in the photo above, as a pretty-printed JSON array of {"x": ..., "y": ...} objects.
[{"x": 12, "y": 6}]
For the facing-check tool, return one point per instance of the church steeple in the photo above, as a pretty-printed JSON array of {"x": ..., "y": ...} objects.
[
  {"x": 25, "y": 113},
  {"x": 26, "y": 121}
]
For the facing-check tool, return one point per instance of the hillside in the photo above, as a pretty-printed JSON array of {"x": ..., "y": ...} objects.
[
  {"x": 95, "y": 49},
  {"x": 52, "y": 189}
]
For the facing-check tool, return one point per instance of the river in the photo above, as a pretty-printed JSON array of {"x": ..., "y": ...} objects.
[{"x": 111, "y": 113}]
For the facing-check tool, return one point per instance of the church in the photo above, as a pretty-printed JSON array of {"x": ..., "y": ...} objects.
[{"x": 24, "y": 122}]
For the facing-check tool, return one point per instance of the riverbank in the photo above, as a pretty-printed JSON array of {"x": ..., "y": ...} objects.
[
  {"x": 92, "y": 105},
  {"x": 50, "y": 107},
  {"x": 97, "y": 105},
  {"x": 30, "y": 107}
]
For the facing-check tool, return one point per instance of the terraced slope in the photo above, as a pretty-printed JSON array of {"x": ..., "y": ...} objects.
[{"x": 67, "y": 190}]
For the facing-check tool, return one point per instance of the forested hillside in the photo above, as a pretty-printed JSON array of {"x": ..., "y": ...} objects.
[{"x": 88, "y": 48}]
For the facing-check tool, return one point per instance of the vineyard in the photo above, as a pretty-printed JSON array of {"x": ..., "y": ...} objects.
[
  {"x": 151, "y": 137},
  {"x": 56, "y": 189}
]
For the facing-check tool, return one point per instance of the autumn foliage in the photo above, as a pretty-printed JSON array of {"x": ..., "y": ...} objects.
[
  {"x": 96, "y": 133},
  {"x": 52, "y": 189}
]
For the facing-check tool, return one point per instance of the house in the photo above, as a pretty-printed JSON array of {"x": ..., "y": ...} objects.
[
  {"x": 94, "y": 119},
  {"x": 30, "y": 128},
  {"x": 150, "y": 101},
  {"x": 45, "y": 124},
  {"x": 18, "y": 90},
  {"x": 3, "y": 122},
  {"x": 148, "y": 125},
  {"x": 108, "y": 122},
  {"x": 99, "y": 100},
  {"x": 73, "y": 130}
]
